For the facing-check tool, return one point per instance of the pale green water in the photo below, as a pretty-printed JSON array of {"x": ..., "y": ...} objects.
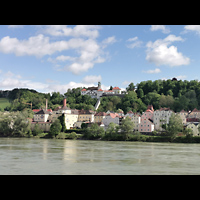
[{"x": 45, "y": 156}]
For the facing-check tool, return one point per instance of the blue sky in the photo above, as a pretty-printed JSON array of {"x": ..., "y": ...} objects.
[{"x": 57, "y": 57}]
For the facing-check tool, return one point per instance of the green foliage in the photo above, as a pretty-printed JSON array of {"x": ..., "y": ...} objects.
[
  {"x": 177, "y": 95},
  {"x": 112, "y": 128},
  {"x": 174, "y": 126},
  {"x": 72, "y": 135},
  {"x": 55, "y": 128},
  {"x": 14, "y": 124},
  {"x": 127, "y": 127},
  {"x": 36, "y": 131},
  {"x": 94, "y": 132},
  {"x": 62, "y": 121}
]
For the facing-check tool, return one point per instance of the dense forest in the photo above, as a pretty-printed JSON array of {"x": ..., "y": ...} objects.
[{"x": 175, "y": 94}]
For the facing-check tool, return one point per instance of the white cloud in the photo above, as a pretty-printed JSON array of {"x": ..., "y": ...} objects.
[
  {"x": 9, "y": 81},
  {"x": 163, "y": 28},
  {"x": 135, "y": 42},
  {"x": 35, "y": 46},
  {"x": 109, "y": 40},
  {"x": 160, "y": 53},
  {"x": 84, "y": 44},
  {"x": 127, "y": 82},
  {"x": 195, "y": 28},
  {"x": 155, "y": 71},
  {"x": 15, "y": 26},
  {"x": 79, "y": 30}
]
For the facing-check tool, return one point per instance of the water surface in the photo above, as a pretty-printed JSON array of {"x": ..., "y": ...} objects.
[{"x": 46, "y": 156}]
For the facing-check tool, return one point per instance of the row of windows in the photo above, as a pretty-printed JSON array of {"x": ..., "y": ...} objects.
[{"x": 144, "y": 125}]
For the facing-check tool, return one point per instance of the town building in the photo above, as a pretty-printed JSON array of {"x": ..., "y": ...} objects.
[
  {"x": 161, "y": 116},
  {"x": 183, "y": 115},
  {"x": 112, "y": 117},
  {"x": 86, "y": 115},
  {"x": 42, "y": 116},
  {"x": 146, "y": 126},
  {"x": 194, "y": 127},
  {"x": 98, "y": 117}
]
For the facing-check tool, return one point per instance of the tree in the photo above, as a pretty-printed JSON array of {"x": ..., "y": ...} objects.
[
  {"x": 131, "y": 87},
  {"x": 55, "y": 128},
  {"x": 94, "y": 131},
  {"x": 174, "y": 127},
  {"x": 36, "y": 131},
  {"x": 62, "y": 121},
  {"x": 112, "y": 128},
  {"x": 127, "y": 127}
]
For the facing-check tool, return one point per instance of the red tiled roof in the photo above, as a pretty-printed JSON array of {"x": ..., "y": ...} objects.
[
  {"x": 83, "y": 90},
  {"x": 100, "y": 90},
  {"x": 195, "y": 110},
  {"x": 37, "y": 110},
  {"x": 116, "y": 88},
  {"x": 100, "y": 114},
  {"x": 113, "y": 115},
  {"x": 149, "y": 111}
]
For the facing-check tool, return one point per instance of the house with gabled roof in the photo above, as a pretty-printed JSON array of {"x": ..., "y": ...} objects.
[
  {"x": 146, "y": 126},
  {"x": 98, "y": 117},
  {"x": 161, "y": 116}
]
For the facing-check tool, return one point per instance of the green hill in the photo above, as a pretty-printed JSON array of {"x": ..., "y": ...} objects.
[{"x": 4, "y": 103}]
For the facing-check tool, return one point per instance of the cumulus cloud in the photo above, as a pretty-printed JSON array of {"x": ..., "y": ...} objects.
[
  {"x": 77, "y": 31},
  {"x": 88, "y": 51},
  {"x": 160, "y": 53},
  {"x": 35, "y": 46},
  {"x": 134, "y": 42},
  {"x": 163, "y": 28},
  {"x": 155, "y": 71},
  {"x": 9, "y": 81},
  {"x": 195, "y": 28}
]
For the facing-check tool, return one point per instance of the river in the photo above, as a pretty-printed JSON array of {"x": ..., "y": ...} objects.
[{"x": 50, "y": 156}]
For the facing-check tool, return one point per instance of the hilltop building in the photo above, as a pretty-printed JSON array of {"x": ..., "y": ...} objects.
[{"x": 97, "y": 92}]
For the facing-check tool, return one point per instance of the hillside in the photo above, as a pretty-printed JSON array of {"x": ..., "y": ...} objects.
[
  {"x": 4, "y": 102},
  {"x": 175, "y": 94}
]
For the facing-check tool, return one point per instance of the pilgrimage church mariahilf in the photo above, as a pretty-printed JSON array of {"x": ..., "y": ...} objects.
[{"x": 97, "y": 92}]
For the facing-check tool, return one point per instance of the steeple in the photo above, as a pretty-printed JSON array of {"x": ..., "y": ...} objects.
[{"x": 99, "y": 85}]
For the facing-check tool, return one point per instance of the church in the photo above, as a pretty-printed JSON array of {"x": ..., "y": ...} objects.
[{"x": 97, "y": 92}]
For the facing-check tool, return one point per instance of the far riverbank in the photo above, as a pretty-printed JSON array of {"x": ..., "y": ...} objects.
[{"x": 116, "y": 137}]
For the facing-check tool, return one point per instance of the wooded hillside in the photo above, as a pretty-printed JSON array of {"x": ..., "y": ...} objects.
[{"x": 175, "y": 94}]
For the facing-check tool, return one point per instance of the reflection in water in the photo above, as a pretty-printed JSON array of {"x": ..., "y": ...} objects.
[
  {"x": 69, "y": 151},
  {"x": 45, "y": 149},
  {"x": 43, "y": 156}
]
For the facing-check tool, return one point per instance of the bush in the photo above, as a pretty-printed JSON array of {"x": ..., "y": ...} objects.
[
  {"x": 61, "y": 136},
  {"x": 72, "y": 135}
]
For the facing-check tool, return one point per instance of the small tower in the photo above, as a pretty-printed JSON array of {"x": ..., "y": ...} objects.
[{"x": 99, "y": 85}]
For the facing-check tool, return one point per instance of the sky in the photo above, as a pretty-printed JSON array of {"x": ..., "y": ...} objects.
[{"x": 54, "y": 58}]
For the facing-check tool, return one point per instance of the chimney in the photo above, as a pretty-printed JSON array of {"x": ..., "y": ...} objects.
[
  {"x": 46, "y": 104},
  {"x": 64, "y": 102}
]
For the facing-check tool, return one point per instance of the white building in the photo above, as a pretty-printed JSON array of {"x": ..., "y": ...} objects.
[
  {"x": 161, "y": 116},
  {"x": 41, "y": 116},
  {"x": 97, "y": 92}
]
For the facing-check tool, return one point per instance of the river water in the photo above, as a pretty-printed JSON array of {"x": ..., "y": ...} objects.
[{"x": 49, "y": 156}]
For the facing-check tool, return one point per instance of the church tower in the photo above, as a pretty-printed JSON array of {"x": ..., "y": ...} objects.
[{"x": 99, "y": 85}]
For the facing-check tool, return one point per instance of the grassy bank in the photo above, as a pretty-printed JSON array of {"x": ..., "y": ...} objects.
[{"x": 117, "y": 137}]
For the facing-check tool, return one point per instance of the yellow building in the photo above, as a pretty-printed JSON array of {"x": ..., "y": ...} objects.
[
  {"x": 86, "y": 115},
  {"x": 98, "y": 117}
]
